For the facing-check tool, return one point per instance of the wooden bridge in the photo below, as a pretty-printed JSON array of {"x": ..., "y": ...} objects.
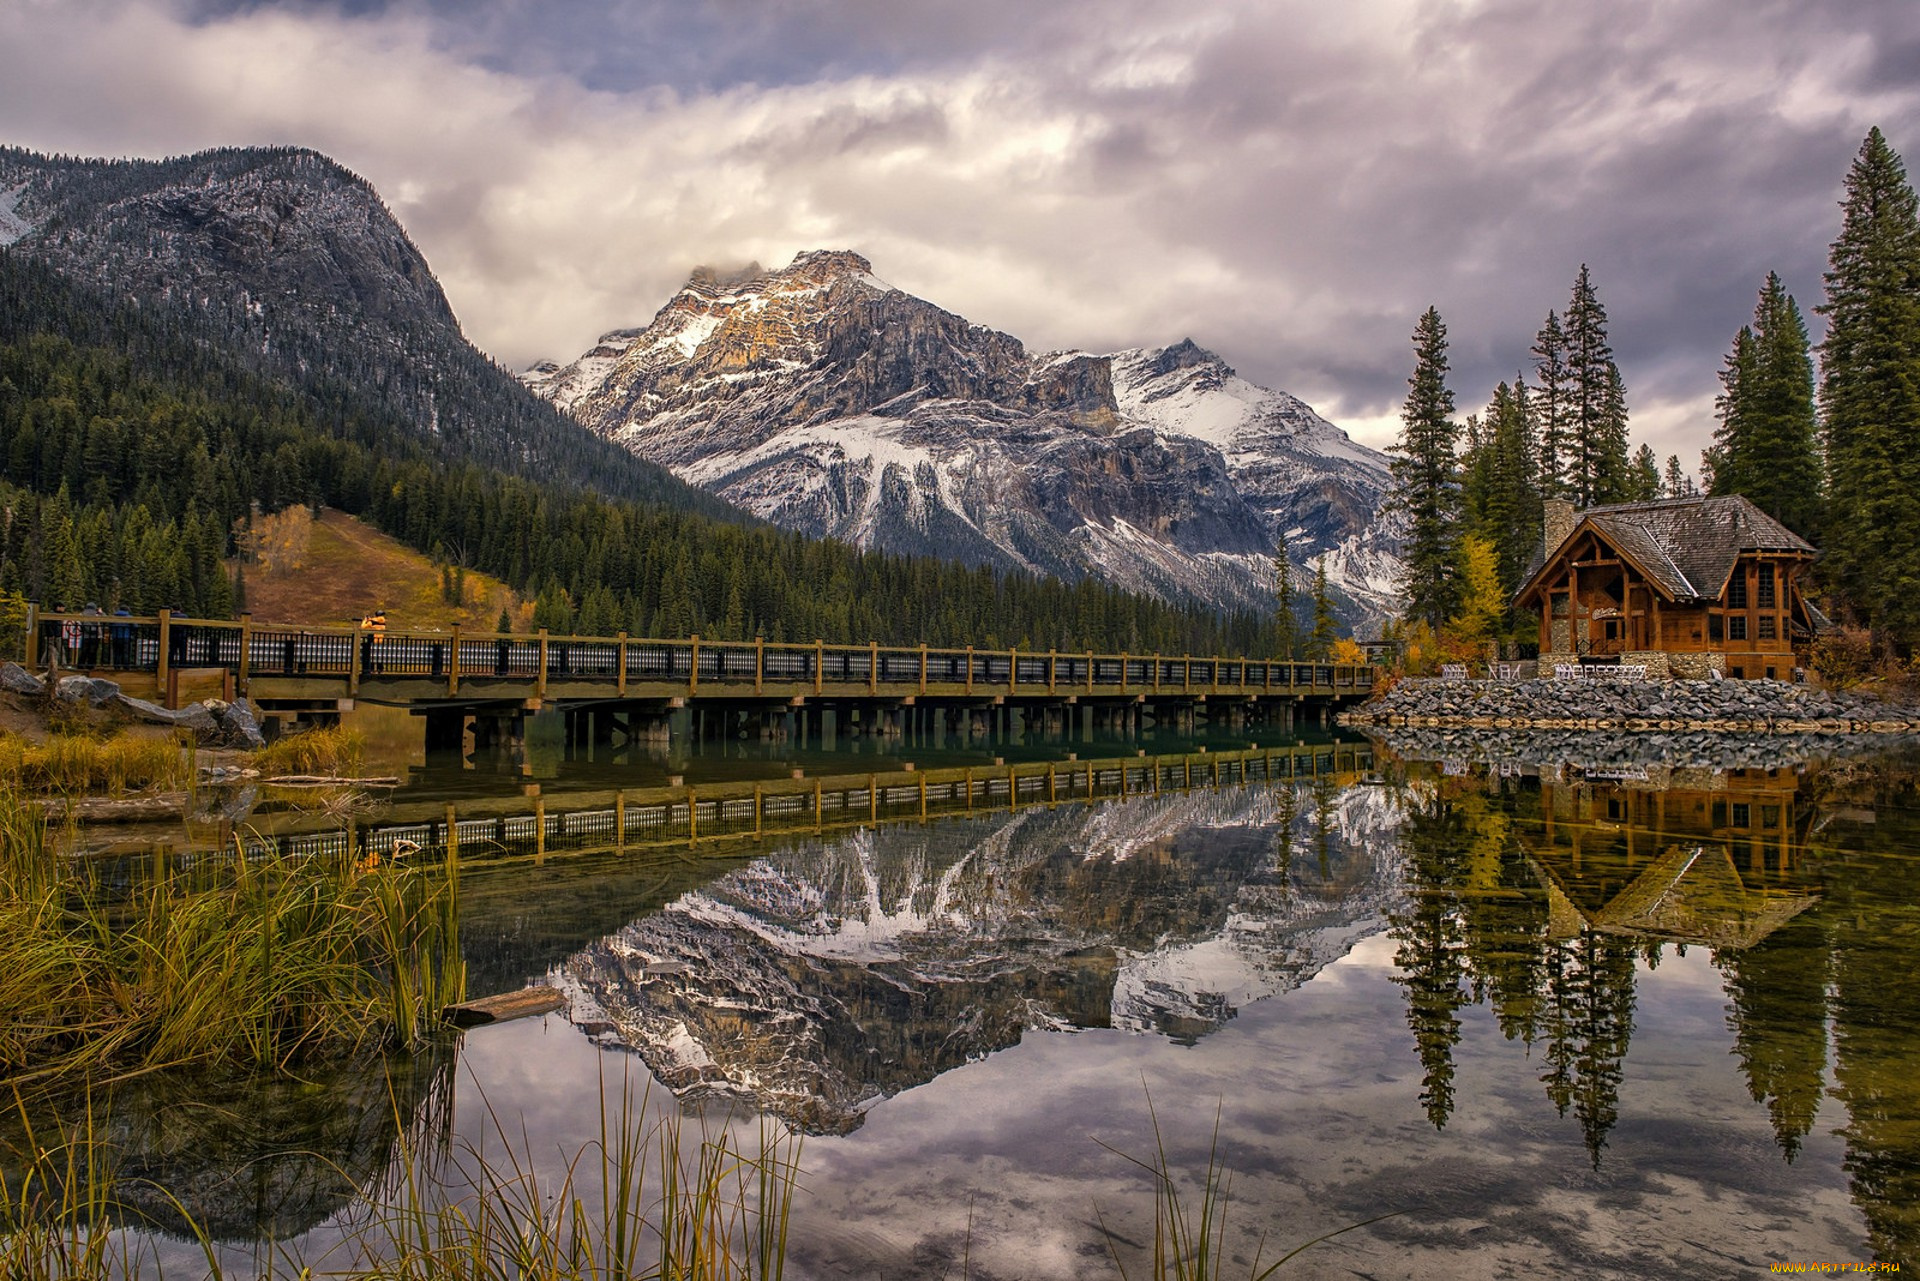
[{"x": 622, "y": 686}]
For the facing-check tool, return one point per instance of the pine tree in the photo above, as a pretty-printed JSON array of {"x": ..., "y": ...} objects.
[
  {"x": 1426, "y": 480},
  {"x": 1783, "y": 408},
  {"x": 1326, "y": 629},
  {"x": 1643, "y": 478},
  {"x": 1677, "y": 483},
  {"x": 1597, "y": 412},
  {"x": 1765, "y": 446},
  {"x": 1510, "y": 514},
  {"x": 1870, "y": 395},
  {"x": 1286, "y": 622},
  {"x": 1732, "y": 453},
  {"x": 1549, "y": 403}
]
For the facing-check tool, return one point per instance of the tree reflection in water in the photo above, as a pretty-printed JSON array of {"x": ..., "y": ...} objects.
[{"x": 1539, "y": 896}]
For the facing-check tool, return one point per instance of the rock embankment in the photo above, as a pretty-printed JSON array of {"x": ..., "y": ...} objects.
[
  {"x": 1718, "y": 707},
  {"x": 213, "y": 722}
]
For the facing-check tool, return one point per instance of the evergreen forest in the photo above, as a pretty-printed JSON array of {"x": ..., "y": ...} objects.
[{"x": 1835, "y": 458}]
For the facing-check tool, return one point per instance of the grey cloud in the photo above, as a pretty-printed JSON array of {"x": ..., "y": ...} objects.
[{"x": 1288, "y": 183}]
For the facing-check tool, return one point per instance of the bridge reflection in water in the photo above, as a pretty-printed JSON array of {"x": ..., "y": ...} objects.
[{"x": 713, "y": 817}]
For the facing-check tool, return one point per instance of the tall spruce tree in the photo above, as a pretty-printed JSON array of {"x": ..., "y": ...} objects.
[
  {"x": 1732, "y": 453},
  {"x": 1286, "y": 600},
  {"x": 1326, "y": 628},
  {"x": 1502, "y": 499},
  {"x": 1870, "y": 396},
  {"x": 1426, "y": 477},
  {"x": 1765, "y": 446},
  {"x": 1549, "y": 402},
  {"x": 1597, "y": 467}
]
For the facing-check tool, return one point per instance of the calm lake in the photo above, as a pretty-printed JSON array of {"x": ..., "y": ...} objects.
[{"x": 1632, "y": 1010}]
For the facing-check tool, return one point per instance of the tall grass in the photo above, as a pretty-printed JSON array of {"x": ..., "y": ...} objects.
[
  {"x": 77, "y": 764},
  {"x": 666, "y": 1200},
  {"x": 1190, "y": 1224},
  {"x": 641, "y": 1203},
  {"x": 253, "y": 964},
  {"x": 330, "y": 750}
]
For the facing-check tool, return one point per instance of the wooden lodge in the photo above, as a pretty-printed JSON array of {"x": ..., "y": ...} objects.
[{"x": 1685, "y": 587}]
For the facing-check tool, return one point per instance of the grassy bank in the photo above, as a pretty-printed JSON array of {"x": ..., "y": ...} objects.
[
  {"x": 253, "y": 964},
  {"x": 333, "y": 751},
  {"x": 82, "y": 765}
]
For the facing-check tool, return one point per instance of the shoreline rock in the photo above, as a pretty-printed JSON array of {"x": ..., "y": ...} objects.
[{"x": 1737, "y": 707}]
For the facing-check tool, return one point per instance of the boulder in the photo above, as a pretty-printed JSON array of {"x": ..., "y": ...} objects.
[
  {"x": 86, "y": 689},
  {"x": 195, "y": 717},
  {"x": 21, "y": 681},
  {"x": 238, "y": 727}
]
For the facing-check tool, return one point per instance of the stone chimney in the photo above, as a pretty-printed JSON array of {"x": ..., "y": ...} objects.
[{"x": 1560, "y": 518}]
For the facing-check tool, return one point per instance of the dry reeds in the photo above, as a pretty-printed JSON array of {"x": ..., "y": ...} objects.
[
  {"x": 641, "y": 1203},
  {"x": 330, "y": 751},
  {"x": 77, "y": 764},
  {"x": 255, "y": 964}
]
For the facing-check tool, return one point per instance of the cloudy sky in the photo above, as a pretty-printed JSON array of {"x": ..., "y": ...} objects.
[{"x": 1288, "y": 183}]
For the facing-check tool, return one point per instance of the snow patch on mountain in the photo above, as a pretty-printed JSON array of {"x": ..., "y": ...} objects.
[{"x": 14, "y": 225}]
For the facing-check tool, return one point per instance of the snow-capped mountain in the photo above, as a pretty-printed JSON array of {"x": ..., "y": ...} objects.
[
  {"x": 830, "y": 975},
  {"x": 822, "y": 398}
]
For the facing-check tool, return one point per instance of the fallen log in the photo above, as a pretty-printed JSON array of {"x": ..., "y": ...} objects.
[
  {"x": 499, "y": 1008},
  {"x": 131, "y": 809},
  {"x": 328, "y": 780}
]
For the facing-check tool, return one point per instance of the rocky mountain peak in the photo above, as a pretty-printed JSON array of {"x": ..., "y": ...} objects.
[
  {"x": 711, "y": 281},
  {"x": 824, "y": 267},
  {"x": 823, "y": 399},
  {"x": 1186, "y": 354},
  {"x": 293, "y": 229}
]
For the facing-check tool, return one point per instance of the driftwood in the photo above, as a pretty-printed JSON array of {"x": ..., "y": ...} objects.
[
  {"x": 132, "y": 809},
  {"x": 506, "y": 1005},
  {"x": 328, "y": 780}
]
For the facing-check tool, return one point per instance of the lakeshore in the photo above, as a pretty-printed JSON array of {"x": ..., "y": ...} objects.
[{"x": 1741, "y": 707}]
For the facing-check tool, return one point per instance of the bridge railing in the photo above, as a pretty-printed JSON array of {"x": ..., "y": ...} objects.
[{"x": 169, "y": 643}]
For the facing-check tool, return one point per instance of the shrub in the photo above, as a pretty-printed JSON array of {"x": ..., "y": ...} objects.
[{"x": 1844, "y": 657}]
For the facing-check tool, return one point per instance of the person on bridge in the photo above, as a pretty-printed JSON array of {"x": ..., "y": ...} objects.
[
  {"x": 121, "y": 633},
  {"x": 375, "y": 627}
]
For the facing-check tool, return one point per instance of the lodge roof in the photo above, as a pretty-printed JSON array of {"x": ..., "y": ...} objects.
[{"x": 1686, "y": 546}]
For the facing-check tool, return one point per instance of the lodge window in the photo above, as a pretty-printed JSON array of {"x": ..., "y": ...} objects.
[
  {"x": 1766, "y": 587},
  {"x": 1769, "y": 816},
  {"x": 1766, "y": 627},
  {"x": 1736, "y": 628},
  {"x": 1737, "y": 590},
  {"x": 1560, "y": 609},
  {"x": 1742, "y": 815},
  {"x": 1714, "y": 626}
]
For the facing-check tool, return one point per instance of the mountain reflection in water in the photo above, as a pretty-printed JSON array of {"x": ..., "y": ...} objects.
[
  {"x": 835, "y": 973},
  {"x": 242, "y": 1159}
]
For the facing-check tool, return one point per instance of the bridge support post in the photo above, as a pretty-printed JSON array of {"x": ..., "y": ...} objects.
[{"x": 446, "y": 732}]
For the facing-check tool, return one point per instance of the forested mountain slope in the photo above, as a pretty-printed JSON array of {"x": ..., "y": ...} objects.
[{"x": 291, "y": 266}]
